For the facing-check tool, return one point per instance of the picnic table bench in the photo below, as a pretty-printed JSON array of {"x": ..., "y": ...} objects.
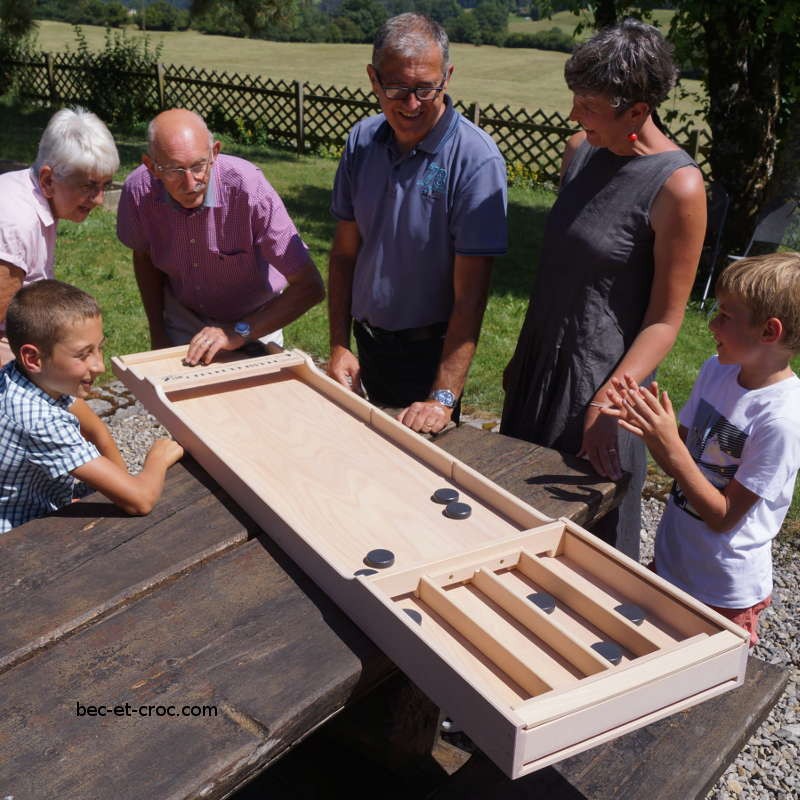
[{"x": 180, "y": 654}]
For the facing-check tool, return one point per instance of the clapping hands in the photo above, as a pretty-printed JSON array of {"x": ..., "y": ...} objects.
[{"x": 645, "y": 413}]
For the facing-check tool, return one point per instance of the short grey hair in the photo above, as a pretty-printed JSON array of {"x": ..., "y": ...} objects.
[
  {"x": 76, "y": 141},
  {"x": 408, "y": 35},
  {"x": 628, "y": 63},
  {"x": 152, "y": 130}
]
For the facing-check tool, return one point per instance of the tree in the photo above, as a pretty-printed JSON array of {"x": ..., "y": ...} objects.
[
  {"x": 360, "y": 19},
  {"x": 749, "y": 54},
  {"x": 444, "y": 10},
  {"x": 16, "y": 18},
  {"x": 465, "y": 28},
  {"x": 492, "y": 19},
  {"x": 162, "y": 16},
  {"x": 752, "y": 59},
  {"x": 258, "y": 16}
]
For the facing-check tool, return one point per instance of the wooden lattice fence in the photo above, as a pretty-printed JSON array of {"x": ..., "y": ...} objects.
[{"x": 296, "y": 114}]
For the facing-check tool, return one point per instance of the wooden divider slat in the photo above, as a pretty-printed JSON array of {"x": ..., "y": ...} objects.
[
  {"x": 644, "y": 594},
  {"x": 538, "y": 622},
  {"x": 480, "y": 637},
  {"x": 580, "y": 596}
]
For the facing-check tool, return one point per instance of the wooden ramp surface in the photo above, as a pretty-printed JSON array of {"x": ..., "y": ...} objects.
[{"x": 345, "y": 489}]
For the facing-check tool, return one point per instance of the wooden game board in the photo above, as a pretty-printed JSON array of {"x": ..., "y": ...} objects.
[{"x": 536, "y": 637}]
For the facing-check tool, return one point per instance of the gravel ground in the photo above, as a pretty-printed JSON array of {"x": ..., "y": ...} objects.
[{"x": 766, "y": 769}]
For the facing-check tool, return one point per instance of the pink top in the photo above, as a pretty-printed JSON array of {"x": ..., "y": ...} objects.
[
  {"x": 27, "y": 227},
  {"x": 224, "y": 259}
]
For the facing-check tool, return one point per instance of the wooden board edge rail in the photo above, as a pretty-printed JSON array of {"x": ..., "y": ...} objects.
[
  {"x": 545, "y": 749},
  {"x": 630, "y": 569},
  {"x": 697, "y": 651}
]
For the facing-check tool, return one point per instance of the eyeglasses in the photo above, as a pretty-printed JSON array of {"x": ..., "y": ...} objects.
[
  {"x": 91, "y": 189},
  {"x": 423, "y": 93},
  {"x": 198, "y": 170}
]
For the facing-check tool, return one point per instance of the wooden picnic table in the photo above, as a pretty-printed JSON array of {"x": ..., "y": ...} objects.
[{"x": 178, "y": 655}]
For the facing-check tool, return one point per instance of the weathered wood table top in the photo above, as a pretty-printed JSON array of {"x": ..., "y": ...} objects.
[{"x": 176, "y": 655}]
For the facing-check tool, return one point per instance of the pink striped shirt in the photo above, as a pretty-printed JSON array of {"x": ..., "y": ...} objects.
[
  {"x": 27, "y": 227},
  {"x": 224, "y": 259}
]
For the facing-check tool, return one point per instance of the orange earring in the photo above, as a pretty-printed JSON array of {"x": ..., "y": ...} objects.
[{"x": 632, "y": 136}]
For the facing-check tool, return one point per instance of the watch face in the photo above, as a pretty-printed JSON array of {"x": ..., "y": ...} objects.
[
  {"x": 445, "y": 397},
  {"x": 242, "y": 328}
]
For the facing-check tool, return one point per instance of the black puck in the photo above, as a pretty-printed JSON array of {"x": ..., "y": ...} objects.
[
  {"x": 444, "y": 496},
  {"x": 457, "y": 510},
  {"x": 379, "y": 558},
  {"x": 611, "y": 651}
]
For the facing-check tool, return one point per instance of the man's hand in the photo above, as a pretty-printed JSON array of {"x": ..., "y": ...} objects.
[
  {"x": 427, "y": 416},
  {"x": 343, "y": 367},
  {"x": 208, "y": 341}
]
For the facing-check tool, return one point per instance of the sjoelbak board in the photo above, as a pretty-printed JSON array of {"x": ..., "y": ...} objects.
[{"x": 542, "y": 640}]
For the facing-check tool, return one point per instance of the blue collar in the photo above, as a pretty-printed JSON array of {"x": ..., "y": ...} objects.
[{"x": 433, "y": 141}]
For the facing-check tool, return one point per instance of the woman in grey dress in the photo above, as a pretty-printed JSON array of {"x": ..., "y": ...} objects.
[{"x": 619, "y": 256}]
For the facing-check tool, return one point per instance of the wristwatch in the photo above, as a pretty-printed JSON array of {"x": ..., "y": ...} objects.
[
  {"x": 242, "y": 329},
  {"x": 444, "y": 396}
]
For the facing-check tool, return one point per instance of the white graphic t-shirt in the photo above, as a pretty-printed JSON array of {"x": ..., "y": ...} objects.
[{"x": 754, "y": 436}]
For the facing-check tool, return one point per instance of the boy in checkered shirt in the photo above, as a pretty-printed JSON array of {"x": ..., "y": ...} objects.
[{"x": 50, "y": 439}]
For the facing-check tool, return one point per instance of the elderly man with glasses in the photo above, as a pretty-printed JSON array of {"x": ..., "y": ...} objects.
[
  {"x": 420, "y": 199},
  {"x": 219, "y": 263},
  {"x": 76, "y": 161}
]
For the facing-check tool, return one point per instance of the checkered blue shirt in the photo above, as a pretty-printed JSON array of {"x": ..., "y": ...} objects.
[{"x": 40, "y": 444}]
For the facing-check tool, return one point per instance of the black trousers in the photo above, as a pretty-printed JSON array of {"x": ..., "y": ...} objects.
[{"x": 396, "y": 372}]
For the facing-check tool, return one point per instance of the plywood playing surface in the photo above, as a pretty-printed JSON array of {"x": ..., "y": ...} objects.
[{"x": 331, "y": 478}]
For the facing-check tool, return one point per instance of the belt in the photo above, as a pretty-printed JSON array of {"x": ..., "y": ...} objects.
[{"x": 434, "y": 331}]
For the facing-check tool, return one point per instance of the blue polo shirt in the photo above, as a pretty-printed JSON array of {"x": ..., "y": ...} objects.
[{"x": 415, "y": 211}]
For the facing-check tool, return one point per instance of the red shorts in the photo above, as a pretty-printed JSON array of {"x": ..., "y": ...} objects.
[{"x": 746, "y": 618}]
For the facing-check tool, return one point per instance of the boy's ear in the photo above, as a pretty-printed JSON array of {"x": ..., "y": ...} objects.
[
  {"x": 772, "y": 330},
  {"x": 31, "y": 359}
]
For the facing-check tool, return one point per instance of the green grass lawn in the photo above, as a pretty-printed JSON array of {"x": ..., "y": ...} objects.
[
  {"x": 566, "y": 21},
  {"x": 519, "y": 78}
]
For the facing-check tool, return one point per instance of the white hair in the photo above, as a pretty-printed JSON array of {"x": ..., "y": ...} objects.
[{"x": 76, "y": 140}]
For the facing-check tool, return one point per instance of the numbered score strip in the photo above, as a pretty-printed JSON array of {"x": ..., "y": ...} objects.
[{"x": 234, "y": 370}]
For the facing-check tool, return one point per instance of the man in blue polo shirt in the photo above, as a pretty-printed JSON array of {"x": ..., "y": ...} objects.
[{"x": 420, "y": 199}]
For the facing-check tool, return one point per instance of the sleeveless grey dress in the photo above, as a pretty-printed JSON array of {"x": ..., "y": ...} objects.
[{"x": 589, "y": 298}]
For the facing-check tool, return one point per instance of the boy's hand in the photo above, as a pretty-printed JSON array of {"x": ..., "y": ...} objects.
[
  {"x": 167, "y": 451},
  {"x": 646, "y": 414}
]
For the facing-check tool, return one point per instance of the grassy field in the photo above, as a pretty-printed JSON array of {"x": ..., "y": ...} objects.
[
  {"x": 566, "y": 21},
  {"x": 522, "y": 78}
]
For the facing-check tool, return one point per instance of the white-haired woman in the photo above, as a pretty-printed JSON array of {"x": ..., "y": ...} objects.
[{"x": 76, "y": 161}]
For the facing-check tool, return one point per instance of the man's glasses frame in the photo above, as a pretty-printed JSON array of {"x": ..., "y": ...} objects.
[
  {"x": 423, "y": 93},
  {"x": 197, "y": 170}
]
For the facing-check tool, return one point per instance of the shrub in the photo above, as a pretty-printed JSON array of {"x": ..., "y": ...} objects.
[
  {"x": 554, "y": 39},
  {"x": 121, "y": 78},
  {"x": 14, "y": 49}
]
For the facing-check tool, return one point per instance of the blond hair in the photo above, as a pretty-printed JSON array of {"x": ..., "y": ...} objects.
[{"x": 770, "y": 287}]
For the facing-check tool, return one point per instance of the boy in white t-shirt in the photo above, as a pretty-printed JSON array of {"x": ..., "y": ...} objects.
[{"x": 736, "y": 451}]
